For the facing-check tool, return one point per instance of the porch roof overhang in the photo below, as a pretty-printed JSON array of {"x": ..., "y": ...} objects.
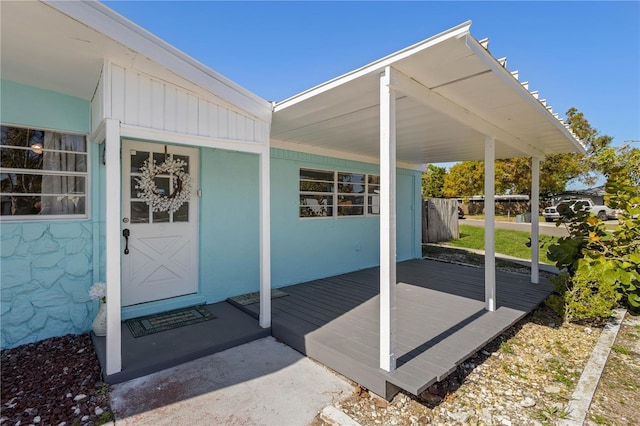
[
  {"x": 61, "y": 46},
  {"x": 450, "y": 93}
]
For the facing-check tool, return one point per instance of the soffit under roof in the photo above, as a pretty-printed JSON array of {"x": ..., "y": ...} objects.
[
  {"x": 61, "y": 46},
  {"x": 46, "y": 49}
]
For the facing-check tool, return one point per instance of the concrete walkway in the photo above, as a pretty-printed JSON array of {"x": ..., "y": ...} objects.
[{"x": 260, "y": 383}]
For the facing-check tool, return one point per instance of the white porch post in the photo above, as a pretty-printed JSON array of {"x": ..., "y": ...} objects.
[
  {"x": 387, "y": 222},
  {"x": 535, "y": 223},
  {"x": 265, "y": 238},
  {"x": 113, "y": 237},
  {"x": 489, "y": 224}
]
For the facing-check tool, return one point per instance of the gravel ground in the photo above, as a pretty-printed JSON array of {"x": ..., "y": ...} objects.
[
  {"x": 53, "y": 382},
  {"x": 525, "y": 377}
]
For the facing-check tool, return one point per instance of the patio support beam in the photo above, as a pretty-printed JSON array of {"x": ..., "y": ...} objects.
[
  {"x": 387, "y": 222},
  {"x": 112, "y": 230},
  {"x": 489, "y": 224},
  {"x": 535, "y": 222},
  {"x": 265, "y": 238}
]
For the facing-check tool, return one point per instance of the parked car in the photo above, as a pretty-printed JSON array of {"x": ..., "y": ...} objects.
[{"x": 565, "y": 206}]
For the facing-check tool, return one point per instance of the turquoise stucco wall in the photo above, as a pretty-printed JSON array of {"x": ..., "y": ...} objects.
[
  {"x": 47, "y": 266},
  {"x": 307, "y": 249},
  {"x": 229, "y": 228},
  {"x": 46, "y": 274},
  {"x": 301, "y": 249},
  {"x": 32, "y": 107}
]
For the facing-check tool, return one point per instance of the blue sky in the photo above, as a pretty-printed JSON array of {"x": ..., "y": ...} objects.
[{"x": 577, "y": 54}]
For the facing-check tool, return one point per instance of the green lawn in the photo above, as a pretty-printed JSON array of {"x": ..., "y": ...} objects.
[
  {"x": 500, "y": 217},
  {"x": 511, "y": 243}
]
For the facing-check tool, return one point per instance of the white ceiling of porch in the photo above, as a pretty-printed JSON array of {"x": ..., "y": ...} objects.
[{"x": 343, "y": 114}]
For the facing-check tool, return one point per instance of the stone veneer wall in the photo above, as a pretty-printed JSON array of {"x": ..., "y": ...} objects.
[{"x": 46, "y": 270}]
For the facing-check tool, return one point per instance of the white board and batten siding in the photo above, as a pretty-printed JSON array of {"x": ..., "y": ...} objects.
[{"x": 138, "y": 99}]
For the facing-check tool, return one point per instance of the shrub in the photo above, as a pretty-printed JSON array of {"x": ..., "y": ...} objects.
[{"x": 602, "y": 267}]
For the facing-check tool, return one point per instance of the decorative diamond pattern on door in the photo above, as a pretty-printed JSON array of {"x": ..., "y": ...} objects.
[{"x": 159, "y": 275}]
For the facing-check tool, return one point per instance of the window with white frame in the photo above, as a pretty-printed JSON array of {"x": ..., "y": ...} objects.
[
  {"x": 329, "y": 193},
  {"x": 42, "y": 173}
]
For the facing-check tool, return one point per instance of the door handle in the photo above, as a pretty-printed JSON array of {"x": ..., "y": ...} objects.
[{"x": 125, "y": 234}]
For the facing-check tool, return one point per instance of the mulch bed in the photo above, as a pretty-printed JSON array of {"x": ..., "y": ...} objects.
[{"x": 53, "y": 381}]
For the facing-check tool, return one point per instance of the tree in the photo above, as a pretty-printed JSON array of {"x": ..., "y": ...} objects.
[
  {"x": 433, "y": 181},
  {"x": 587, "y": 167},
  {"x": 611, "y": 159},
  {"x": 625, "y": 157},
  {"x": 557, "y": 170},
  {"x": 464, "y": 179},
  {"x": 513, "y": 176}
]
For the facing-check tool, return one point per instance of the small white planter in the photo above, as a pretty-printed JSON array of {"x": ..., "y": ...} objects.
[{"x": 99, "y": 325}]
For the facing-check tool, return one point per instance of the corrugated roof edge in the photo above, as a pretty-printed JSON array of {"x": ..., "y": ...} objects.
[{"x": 499, "y": 66}]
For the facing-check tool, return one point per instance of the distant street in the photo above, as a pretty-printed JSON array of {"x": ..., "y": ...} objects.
[{"x": 546, "y": 228}]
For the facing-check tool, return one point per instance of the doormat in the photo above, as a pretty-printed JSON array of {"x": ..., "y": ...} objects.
[
  {"x": 250, "y": 298},
  {"x": 164, "y": 321}
]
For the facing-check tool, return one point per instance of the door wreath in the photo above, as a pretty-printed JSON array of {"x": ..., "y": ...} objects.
[{"x": 156, "y": 198}]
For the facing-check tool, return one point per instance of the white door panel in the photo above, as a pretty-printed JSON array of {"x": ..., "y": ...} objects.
[{"x": 163, "y": 248}]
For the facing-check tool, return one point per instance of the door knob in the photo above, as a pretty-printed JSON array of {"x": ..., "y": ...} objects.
[{"x": 125, "y": 234}]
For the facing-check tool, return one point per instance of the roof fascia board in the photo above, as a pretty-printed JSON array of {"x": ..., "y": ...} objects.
[
  {"x": 422, "y": 94},
  {"x": 377, "y": 66},
  {"x": 508, "y": 78},
  {"x": 99, "y": 17}
]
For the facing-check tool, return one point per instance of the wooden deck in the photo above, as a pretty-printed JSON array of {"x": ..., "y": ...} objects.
[{"x": 441, "y": 321}]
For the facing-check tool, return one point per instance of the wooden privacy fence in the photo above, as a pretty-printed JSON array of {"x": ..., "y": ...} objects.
[{"x": 440, "y": 220}]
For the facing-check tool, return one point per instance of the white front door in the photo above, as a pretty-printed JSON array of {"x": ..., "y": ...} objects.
[{"x": 160, "y": 253}]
